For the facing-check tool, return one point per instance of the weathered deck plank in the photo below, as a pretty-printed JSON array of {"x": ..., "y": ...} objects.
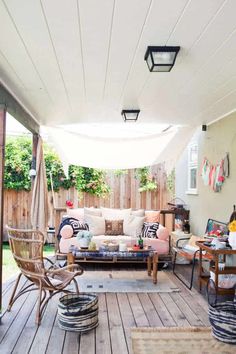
[
  {"x": 138, "y": 311},
  {"x": 178, "y": 316},
  {"x": 118, "y": 312},
  {"x": 9, "y": 341},
  {"x": 103, "y": 342},
  {"x": 43, "y": 333},
  {"x": 118, "y": 340},
  {"x": 71, "y": 344},
  {"x": 151, "y": 314},
  {"x": 56, "y": 340},
  {"x": 27, "y": 335},
  {"x": 186, "y": 310},
  {"x": 162, "y": 311},
  {"x": 9, "y": 317},
  {"x": 87, "y": 343},
  {"x": 126, "y": 316}
]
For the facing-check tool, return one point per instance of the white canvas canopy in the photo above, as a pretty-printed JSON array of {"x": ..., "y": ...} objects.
[{"x": 110, "y": 152}]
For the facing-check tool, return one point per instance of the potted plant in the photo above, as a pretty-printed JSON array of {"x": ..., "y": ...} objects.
[
  {"x": 232, "y": 234},
  {"x": 84, "y": 237}
]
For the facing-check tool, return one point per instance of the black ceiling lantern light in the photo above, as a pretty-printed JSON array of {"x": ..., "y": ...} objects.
[
  {"x": 130, "y": 115},
  {"x": 161, "y": 59}
]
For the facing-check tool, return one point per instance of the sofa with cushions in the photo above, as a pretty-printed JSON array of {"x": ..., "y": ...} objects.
[{"x": 108, "y": 224}]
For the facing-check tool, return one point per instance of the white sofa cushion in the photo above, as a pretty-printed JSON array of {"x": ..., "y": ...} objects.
[
  {"x": 96, "y": 224},
  {"x": 77, "y": 213},
  {"x": 139, "y": 212},
  {"x": 115, "y": 214},
  {"x": 93, "y": 211},
  {"x": 133, "y": 225}
]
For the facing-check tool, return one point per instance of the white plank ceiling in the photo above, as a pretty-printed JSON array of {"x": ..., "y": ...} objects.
[{"x": 77, "y": 61}]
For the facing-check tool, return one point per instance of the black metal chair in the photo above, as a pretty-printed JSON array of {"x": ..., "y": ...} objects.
[
  {"x": 189, "y": 251},
  {"x": 192, "y": 255}
]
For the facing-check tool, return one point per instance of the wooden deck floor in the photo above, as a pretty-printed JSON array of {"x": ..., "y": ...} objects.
[{"x": 118, "y": 312}]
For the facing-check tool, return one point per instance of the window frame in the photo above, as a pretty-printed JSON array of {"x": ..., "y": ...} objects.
[{"x": 192, "y": 165}]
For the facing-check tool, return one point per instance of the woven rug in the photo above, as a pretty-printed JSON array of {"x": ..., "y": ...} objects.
[
  {"x": 194, "y": 340},
  {"x": 124, "y": 281}
]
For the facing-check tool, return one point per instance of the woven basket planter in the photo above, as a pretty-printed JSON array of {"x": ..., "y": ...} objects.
[
  {"x": 222, "y": 317},
  {"x": 78, "y": 312}
]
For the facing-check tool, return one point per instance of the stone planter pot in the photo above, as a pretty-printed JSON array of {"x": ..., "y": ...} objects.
[{"x": 83, "y": 242}]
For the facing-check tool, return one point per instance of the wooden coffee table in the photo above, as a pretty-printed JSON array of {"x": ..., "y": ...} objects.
[{"x": 146, "y": 255}]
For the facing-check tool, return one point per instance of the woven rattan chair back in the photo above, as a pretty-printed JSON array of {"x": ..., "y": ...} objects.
[
  {"x": 27, "y": 250},
  {"x": 43, "y": 274}
]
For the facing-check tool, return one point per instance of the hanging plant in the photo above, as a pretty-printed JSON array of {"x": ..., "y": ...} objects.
[
  {"x": 146, "y": 180},
  {"x": 90, "y": 180}
]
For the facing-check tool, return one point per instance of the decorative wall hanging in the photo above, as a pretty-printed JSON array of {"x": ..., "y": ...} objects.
[{"x": 214, "y": 175}]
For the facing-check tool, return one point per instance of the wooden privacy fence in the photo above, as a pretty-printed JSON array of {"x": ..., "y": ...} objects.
[{"x": 124, "y": 194}]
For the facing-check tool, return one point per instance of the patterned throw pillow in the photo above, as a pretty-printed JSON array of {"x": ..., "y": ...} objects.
[
  {"x": 114, "y": 227},
  {"x": 152, "y": 216},
  {"x": 75, "y": 224},
  {"x": 150, "y": 229}
]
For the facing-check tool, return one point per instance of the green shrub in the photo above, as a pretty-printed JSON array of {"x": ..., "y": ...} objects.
[
  {"x": 18, "y": 158},
  {"x": 146, "y": 180}
]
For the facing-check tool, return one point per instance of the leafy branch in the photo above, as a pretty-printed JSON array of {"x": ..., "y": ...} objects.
[{"x": 146, "y": 180}]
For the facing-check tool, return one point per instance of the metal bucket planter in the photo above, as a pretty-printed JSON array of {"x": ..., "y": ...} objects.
[
  {"x": 78, "y": 312},
  {"x": 222, "y": 317}
]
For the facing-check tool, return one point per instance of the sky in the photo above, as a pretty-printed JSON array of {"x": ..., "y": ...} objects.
[{"x": 13, "y": 127}]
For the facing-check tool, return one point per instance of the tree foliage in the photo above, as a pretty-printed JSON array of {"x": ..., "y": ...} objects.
[{"x": 18, "y": 158}]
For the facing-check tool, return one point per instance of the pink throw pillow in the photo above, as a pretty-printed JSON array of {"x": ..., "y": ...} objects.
[
  {"x": 152, "y": 216},
  {"x": 162, "y": 233},
  {"x": 66, "y": 231}
]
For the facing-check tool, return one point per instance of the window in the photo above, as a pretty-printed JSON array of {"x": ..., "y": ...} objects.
[{"x": 192, "y": 168}]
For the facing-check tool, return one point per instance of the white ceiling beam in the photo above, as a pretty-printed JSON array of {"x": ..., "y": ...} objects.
[{"x": 17, "y": 111}]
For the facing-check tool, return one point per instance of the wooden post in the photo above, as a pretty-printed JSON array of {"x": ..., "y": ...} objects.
[{"x": 2, "y": 158}]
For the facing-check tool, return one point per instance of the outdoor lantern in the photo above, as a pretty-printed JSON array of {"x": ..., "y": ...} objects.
[
  {"x": 130, "y": 115},
  {"x": 32, "y": 172},
  {"x": 161, "y": 58}
]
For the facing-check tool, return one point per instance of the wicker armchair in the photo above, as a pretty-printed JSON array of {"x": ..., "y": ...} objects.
[{"x": 43, "y": 274}]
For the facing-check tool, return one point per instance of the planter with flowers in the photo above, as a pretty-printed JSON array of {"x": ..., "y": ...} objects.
[
  {"x": 232, "y": 234},
  {"x": 84, "y": 237},
  {"x": 69, "y": 204}
]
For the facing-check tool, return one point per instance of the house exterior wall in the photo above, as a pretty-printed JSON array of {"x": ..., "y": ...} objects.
[{"x": 213, "y": 144}]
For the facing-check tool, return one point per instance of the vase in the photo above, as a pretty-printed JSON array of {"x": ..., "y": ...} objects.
[
  {"x": 83, "y": 242},
  {"x": 232, "y": 239}
]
